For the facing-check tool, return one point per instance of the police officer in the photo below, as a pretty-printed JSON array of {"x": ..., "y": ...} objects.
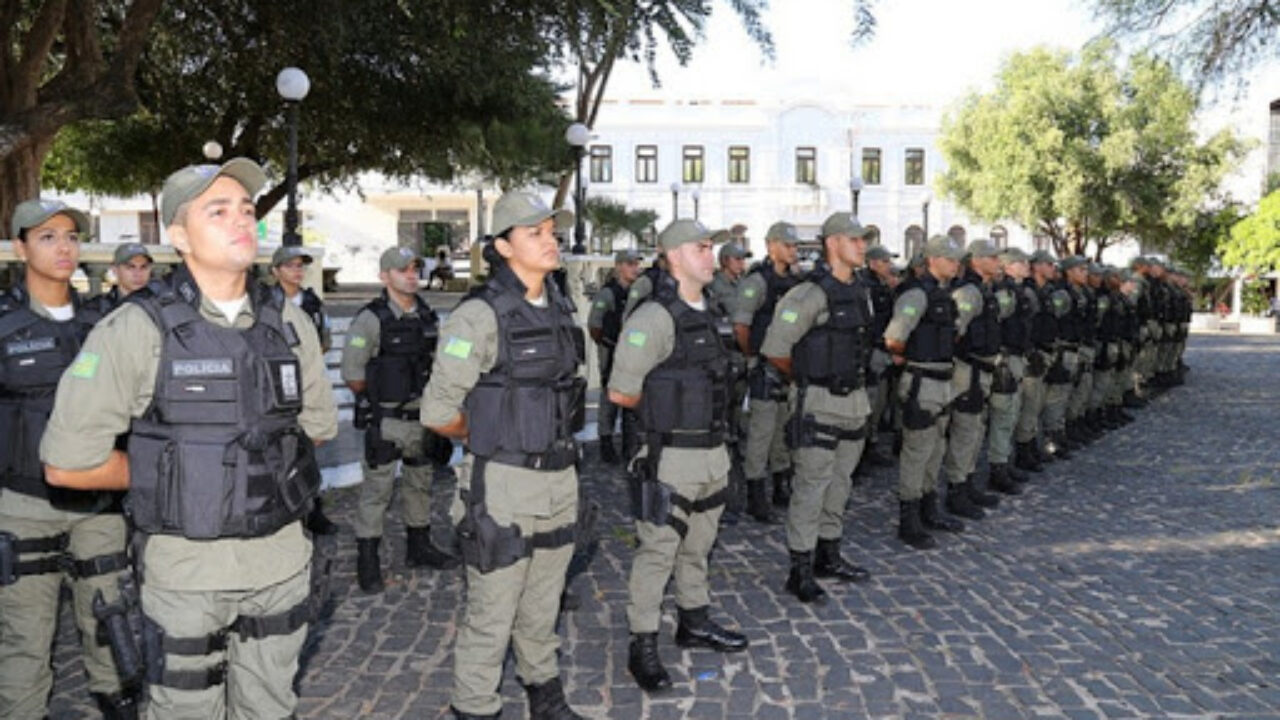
[
  {"x": 603, "y": 324},
  {"x": 880, "y": 280},
  {"x": 1106, "y": 350},
  {"x": 672, "y": 366},
  {"x": 758, "y": 295},
  {"x": 132, "y": 265},
  {"x": 724, "y": 295},
  {"x": 643, "y": 286},
  {"x": 224, "y": 391},
  {"x": 1061, "y": 377},
  {"x": 821, "y": 339},
  {"x": 507, "y": 381},
  {"x": 289, "y": 267},
  {"x": 1085, "y": 317},
  {"x": 1017, "y": 310},
  {"x": 921, "y": 336},
  {"x": 48, "y": 535},
  {"x": 386, "y": 362}
]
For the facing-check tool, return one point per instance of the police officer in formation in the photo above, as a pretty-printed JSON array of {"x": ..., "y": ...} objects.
[
  {"x": 386, "y": 362},
  {"x": 758, "y": 294},
  {"x": 881, "y": 281},
  {"x": 1057, "y": 299},
  {"x": 672, "y": 366},
  {"x": 820, "y": 339},
  {"x": 724, "y": 295},
  {"x": 603, "y": 324},
  {"x": 1017, "y": 310},
  {"x": 223, "y": 390},
  {"x": 507, "y": 382},
  {"x": 131, "y": 263},
  {"x": 48, "y": 535}
]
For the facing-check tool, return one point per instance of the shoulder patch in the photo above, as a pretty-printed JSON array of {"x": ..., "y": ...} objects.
[
  {"x": 85, "y": 365},
  {"x": 457, "y": 347},
  {"x": 748, "y": 292},
  {"x": 358, "y": 341},
  {"x": 637, "y": 338},
  {"x": 602, "y": 304},
  {"x": 789, "y": 316},
  {"x": 909, "y": 310}
]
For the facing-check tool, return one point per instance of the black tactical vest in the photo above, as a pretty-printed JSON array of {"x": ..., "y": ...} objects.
[
  {"x": 104, "y": 303},
  {"x": 219, "y": 452},
  {"x": 1044, "y": 324},
  {"x": 406, "y": 348},
  {"x": 934, "y": 338},
  {"x": 1087, "y": 313},
  {"x": 982, "y": 338},
  {"x": 685, "y": 398},
  {"x": 313, "y": 306},
  {"x": 36, "y": 350},
  {"x": 834, "y": 354},
  {"x": 1069, "y": 324},
  {"x": 525, "y": 410},
  {"x": 775, "y": 287},
  {"x": 881, "y": 304},
  {"x": 611, "y": 323},
  {"x": 1015, "y": 330}
]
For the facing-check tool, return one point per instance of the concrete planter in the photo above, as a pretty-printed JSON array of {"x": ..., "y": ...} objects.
[{"x": 1252, "y": 325}]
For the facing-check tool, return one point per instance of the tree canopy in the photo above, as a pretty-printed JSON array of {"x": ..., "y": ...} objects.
[
  {"x": 1084, "y": 149},
  {"x": 1254, "y": 243}
]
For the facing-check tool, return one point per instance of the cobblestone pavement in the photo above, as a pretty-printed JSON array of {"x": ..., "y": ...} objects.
[{"x": 1138, "y": 581}]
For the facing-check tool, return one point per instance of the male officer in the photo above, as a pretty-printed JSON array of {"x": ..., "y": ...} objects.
[
  {"x": 1017, "y": 309},
  {"x": 821, "y": 339},
  {"x": 507, "y": 382},
  {"x": 223, "y": 395},
  {"x": 673, "y": 367},
  {"x": 386, "y": 362},
  {"x": 131, "y": 264},
  {"x": 1041, "y": 355},
  {"x": 289, "y": 267},
  {"x": 758, "y": 294},
  {"x": 921, "y": 335},
  {"x": 604, "y": 323},
  {"x": 48, "y": 534},
  {"x": 1061, "y": 376},
  {"x": 977, "y": 353},
  {"x": 879, "y": 277},
  {"x": 644, "y": 284},
  {"x": 1085, "y": 316},
  {"x": 724, "y": 296},
  {"x": 1106, "y": 350}
]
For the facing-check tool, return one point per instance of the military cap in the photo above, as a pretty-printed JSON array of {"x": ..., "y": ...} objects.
[
  {"x": 285, "y": 253},
  {"x": 685, "y": 231},
  {"x": 842, "y": 223},
  {"x": 1071, "y": 261},
  {"x": 1139, "y": 261},
  {"x": 1095, "y": 268},
  {"x": 943, "y": 246},
  {"x": 1009, "y": 256},
  {"x": 626, "y": 256},
  {"x": 525, "y": 209},
  {"x": 31, "y": 213},
  {"x": 191, "y": 181},
  {"x": 398, "y": 258},
  {"x": 784, "y": 232},
  {"x": 1043, "y": 256},
  {"x": 128, "y": 251},
  {"x": 982, "y": 248},
  {"x": 880, "y": 252},
  {"x": 732, "y": 249}
]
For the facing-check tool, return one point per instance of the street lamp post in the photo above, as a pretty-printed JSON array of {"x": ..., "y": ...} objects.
[
  {"x": 925, "y": 210},
  {"x": 578, "y": 135},
  {"x": 293, "y": 85},
  {"x": 697, "y": 198},
  {"x": 675, "y": 201},
  {"x": 855, "y": 189}
]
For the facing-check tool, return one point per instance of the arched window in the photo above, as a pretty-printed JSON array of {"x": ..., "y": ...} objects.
[
  {"x": 957, "y": 233},
  {"x": 914, "y": 241},
  {"x": 873, "y": 235},
  {"x": 1000, "y": 237}
]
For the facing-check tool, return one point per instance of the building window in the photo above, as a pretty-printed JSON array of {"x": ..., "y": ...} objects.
[
  {"x": 148, "y": 230},
  {"x": 915, "y": 167},
  {"x": 739, "y": 164},
  {"x": 1000, "y": 237},
  {"x": 871, "y": 166},
  {"x": 914, "y": 238},
  {"x": 807, "y": 165},
  {"x": 601, "y": 163},
  {"x": 646, "y": 163},
  {"x": 873, "y": 235},
  {"x": 692, "y": 167}
]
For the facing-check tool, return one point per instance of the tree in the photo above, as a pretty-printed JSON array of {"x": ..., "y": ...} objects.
[
  {"x": 1213, "y": 39},
  {"x": 62, "y": 61},
  {"x": 1254, "y": 243},
  {"x": 452, "y": 90},
  {"x": 1197, "y": 247},
  {"x": 610, "y": 218},
  {"x": 1084, "y": 150}
]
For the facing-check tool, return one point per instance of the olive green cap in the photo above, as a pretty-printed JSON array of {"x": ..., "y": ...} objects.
[
  {"x": 285, "y": 253},
  {"x": 732, "y": 249},
  {"x": 982, "y": 248},
  {"x": 880, "y": 252},
  {"x": 944, "y": 246},
  {"x": 128, "y": 251},
  {"x": 1043, "y": 256},
  {"x": 191, "y": 181},
  {"x": 626, "y": 256},
  {"x": 685, "y": 231},
  {"x": 398, "y": 258},
  {"x": 784, "y": 232},
  {"x": 842, "y": 223},
  {"x": 1139, "y": 261},
  {"x": 31, "y": 213},
  {"x": 1008, "y": 256},
  {"x": 1072, "y": 261},
  {"x": 525, "y": 209}
]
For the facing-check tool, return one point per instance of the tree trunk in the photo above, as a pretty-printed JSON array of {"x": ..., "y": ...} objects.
[{"x": 20, "y": 179}]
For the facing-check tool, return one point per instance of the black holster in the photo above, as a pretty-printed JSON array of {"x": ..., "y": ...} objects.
[
  {"x": 486, "y": 545},
  {"x": 650, "y": 497},
  {"x": 915, "y": 417},
  {"x": 971, "y": 401},
  {"x": 765, "y": 382},
  {"x": 121, "y": 627},
  {"x": 362, "y": 413},
  {"x": 378, "y": 451}
]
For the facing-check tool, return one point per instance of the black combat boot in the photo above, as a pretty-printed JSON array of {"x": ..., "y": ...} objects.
[
  {"x": 546, "y": 702},
  {"x": 800, "y": 581},
  {"x": 1015, "y": 474},
  {"x": 697, "y": 629},
  {"x": 758, "y": 505},
  {"x": 1028, "y": 459},
  {"x": 1045, "y": 448},
  {"x": 421, "y": 552},
  {"x": 1001, "y": 481},
  {"x": 644, "y": 663},
  {"x": 459, "y": 715},
  {"x": 827, "y": 563},
  {"x": 735, "y": 503},
  {"x": 959, "y": 502},
  {"x": 608, "y": 455},
  {"x": 979, "y": 498},
  {"x": 933, "y": 517},
  {"x": 782, "y": 487},
  {"x": 317, "y": 522},
  {"x": 1061, "y": 445},
  {"x": 1125, "y": 418},
  {"x": 874, "y": 456},
  {"x": 910, "y": 529},
  {"x": 369, "y": 565},
  {"x": 1075, "y": 434},
  {"x": 117, "y": 706}
]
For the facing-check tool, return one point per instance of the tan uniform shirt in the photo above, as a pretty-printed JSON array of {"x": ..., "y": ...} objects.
[
  {"x": 363, "y": 338},
  {"x": 112, "y": 382},
  {"x": 907, "y": 312},
  {"x": 640, "y": 289}
]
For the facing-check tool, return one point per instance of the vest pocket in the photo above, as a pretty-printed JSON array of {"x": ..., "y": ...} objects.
[
  {"x": 199, "y": 489},
  {"x": 534, "y": 415},
  {"x": 10, "y": 428}
]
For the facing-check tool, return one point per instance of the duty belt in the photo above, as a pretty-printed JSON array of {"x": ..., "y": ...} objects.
[
  {"x": 1064, "y": 345},
  {"x": 708, "y": 439},
  {"x": 983, "y": 365},
  {"x": 556, "y": 459},
  {"x": 401, "y": 413},
  {"x": 931, "y": 373}
]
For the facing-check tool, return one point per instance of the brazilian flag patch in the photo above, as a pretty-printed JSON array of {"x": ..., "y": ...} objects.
[
  {"x": 457, "y": 347},
  {"x": 790, "y": 316},
  {"x": 636, "y": 338},
  {"x": 85, "y": 365}
]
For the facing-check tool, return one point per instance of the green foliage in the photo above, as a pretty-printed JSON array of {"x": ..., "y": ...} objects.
[
  {"x": 1197, "y": 247},
  {"x": 1254, "y": 243},
  {"x": 1253, "y": 297},
  {"x": 1084, "y": 149},
  {"x": 610, "y": 218}
]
